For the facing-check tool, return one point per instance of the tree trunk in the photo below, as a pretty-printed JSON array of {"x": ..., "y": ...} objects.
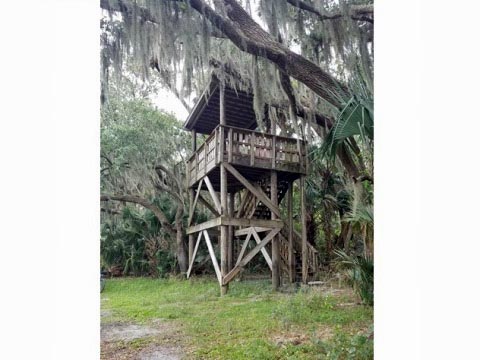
[{"x": 182, "y": 256}]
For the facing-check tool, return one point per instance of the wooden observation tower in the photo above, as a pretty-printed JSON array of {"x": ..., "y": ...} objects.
[{"x": 245, "y": 174}]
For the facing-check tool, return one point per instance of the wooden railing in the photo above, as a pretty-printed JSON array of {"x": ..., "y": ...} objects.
[
  {"x": 248, "y": 148},
  {"x": 203, "y": 160},
  {"x": 312, "y": 253}
]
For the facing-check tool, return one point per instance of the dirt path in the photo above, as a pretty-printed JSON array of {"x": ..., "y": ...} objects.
[{"x": 124, "y": 341}]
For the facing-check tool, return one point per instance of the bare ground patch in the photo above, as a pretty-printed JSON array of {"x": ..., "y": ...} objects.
[{"x": 125, "y": 341}]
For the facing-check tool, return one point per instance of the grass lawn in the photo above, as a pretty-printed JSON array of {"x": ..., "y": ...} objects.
[{"x": 251, "y": 322}]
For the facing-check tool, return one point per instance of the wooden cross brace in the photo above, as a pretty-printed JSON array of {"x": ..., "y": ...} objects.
[
  {"x": 242, "y": 261},
  {"x": 255, "y": 190},
  {"x": 217, "y": 210},
  {"x": 210, "y": 251}
]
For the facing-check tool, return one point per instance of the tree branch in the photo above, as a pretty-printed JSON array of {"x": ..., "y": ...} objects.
[
  {"x": 248, "y": 36},
  {"x": 357, "y": 12},
  {"x": 171, "y": 176},
  {"x": 146, "y": 204}
]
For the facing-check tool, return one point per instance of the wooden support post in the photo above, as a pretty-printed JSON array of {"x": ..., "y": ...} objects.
[
  {"x": 190, "y": 237},
  {"x": 274, "y": 199},
  {"x": 204, "y": 158},
  {"x": 231, "y": 206},
  {"x": 291, "y": 258},
  {"x": 275, "y": 240},
  {"x": 194, "y": 140},
  {"x": 304, "y": 231},
  {"x": 274, "y": 152},
  {"x": 252, "y": 149},
  {"x": 223, "y": 194},
  {"x": 230, "y": 145}
]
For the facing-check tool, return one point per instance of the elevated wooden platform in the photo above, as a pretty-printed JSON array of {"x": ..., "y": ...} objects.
[{"x": 253, "y": 153}]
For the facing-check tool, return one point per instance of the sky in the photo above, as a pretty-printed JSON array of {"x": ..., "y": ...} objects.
[{"x": 165, "y": 100}]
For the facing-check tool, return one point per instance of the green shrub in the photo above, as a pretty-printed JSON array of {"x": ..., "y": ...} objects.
[{"x": 359, "y": 270}]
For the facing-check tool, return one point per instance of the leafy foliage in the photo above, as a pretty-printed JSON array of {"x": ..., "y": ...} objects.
[
  {"x": 356, "y": 118},
  {"x": 124, "y": 244},
  {"x": 359, "y": 270}
]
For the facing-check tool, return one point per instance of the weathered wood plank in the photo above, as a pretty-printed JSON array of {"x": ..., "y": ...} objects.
[
  {"x": 225, "y": 220},
  {"x": 274, "y": 152},
  {"x": 205, "y": 225},
  {"x": 231, "y": 206},
  {"x": 258, "y": 193},
  {"x": 275, "y": 245},
  {"x": 244, "y": 247},
  {"x": 263, "y": 250},
  {"x": 194, "y": 254},
  {"x": 304, "y": 231},
  {"x": 245, "y": 231},
  {"x": 243, "y": 202},
  {"x": 216, "y": 146},
  {"x": 192, "y": 208},
  {"x": 252, "y": 149},
  {"x": 212, "y": 256},
  {"x": 249, "y": 256},
  {"x": 291, "y": 257},
  {"x": 213, "y": 194},
  {"x": 208, "y": 206},
  {"x": 230, "y": 145},
  {"x": 223, "y": 194}
]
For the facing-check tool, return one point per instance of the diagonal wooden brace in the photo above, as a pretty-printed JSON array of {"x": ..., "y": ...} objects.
[
  {"x": 250, "y": 256},
  {"x": 194, "y": 254},
  {"x": 264, "y": 251},
  {"x": 260, "y": 195},
  {"x": 192, "y": 209},
  {"x": 213, "y": 194},
  {"x": 212, "y": 255}
]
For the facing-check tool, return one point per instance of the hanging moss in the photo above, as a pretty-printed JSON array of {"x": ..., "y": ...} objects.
[{"x": 182, "y": 43}]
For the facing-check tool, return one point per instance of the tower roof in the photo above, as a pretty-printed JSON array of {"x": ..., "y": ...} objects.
[{"x": 205, "y": 115}]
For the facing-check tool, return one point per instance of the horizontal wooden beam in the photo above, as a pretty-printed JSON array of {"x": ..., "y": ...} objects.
[
  {"x": 205, "y": 225},
  {"x": 226, "y": 220},
  {"x": 245, "y": 231},
  {"x": 251, "y": 222}
]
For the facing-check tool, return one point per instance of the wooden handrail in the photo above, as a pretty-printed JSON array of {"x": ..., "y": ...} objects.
[
  {"x": 230, "y": 143},
  {"x": 247, "y": 131},
  {"x": 261, "y": 133}
]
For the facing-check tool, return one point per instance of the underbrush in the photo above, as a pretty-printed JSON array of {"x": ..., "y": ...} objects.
[{"x": 251, "y": 322}]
